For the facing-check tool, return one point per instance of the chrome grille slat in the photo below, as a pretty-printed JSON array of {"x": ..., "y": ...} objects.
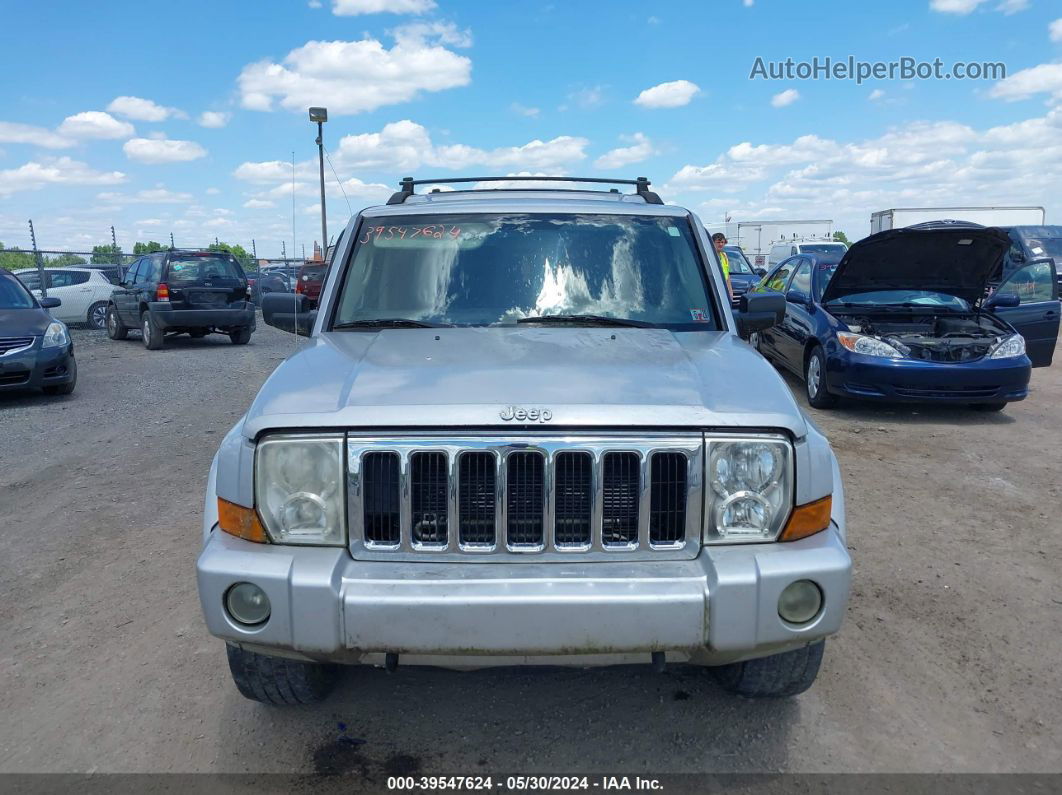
[
  {"x": 14, "y": 344},
  {"x": 526, "y": 496}
]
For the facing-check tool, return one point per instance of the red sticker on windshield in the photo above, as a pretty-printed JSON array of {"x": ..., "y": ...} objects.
[{"x": 699, "y": 315}]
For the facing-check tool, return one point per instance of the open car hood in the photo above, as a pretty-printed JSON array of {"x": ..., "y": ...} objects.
[{"x": 955, "y": 259}]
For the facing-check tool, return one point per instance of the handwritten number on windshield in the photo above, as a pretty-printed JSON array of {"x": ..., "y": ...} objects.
[{"x": 430, "y": 232}]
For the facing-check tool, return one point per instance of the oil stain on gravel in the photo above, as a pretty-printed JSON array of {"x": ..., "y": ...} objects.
[{"x": 344, "y": 757}]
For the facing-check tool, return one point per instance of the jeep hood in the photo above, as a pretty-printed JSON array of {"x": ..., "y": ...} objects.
[
  {"x": 957, "y": 261},
  {"x": 467, "y": 377}
]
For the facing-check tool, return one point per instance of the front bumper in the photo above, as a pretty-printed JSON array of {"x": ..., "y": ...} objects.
[
  {"x": 719, "y": 607},
  {"x": 983, "y": 381},
  {"x": 168, "y": 318},
  {"x": 37, "y": 367}
]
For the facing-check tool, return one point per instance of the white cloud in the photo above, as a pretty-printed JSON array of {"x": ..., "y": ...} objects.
[
  {"x": 142, "y": 109},
  {"x": 523, "y": 110},
  {"x": 918, "y": 164},
  {"x": 314, "y": 3},
  {"x": 256, "y": 204},
  {"x": 784, "y": 98},
  {"x": 640, "y": 149},
  {"x": 95, "y": 124},
  {"x": 349, "y": 8},
  {"x": 1054, "y": 30},
  {"x": 673, "y": 94},
  {"x": 1043, "y": 79},
  {"x": 406, "y": 146},
  {"x": 212, "y": 191},
  {"x": 152, "y": 150},
  {"x": 747, "y": 3},
  {"x": 1009, "y": 7},
  {"x": 963, "y": 7},
  {"x": 876, "y": 94},
  {"x": 213, "y": 118},
  {"x": 358, "y": 76},
  {"x": 60, "y": 171},
  {"x": 586, "y": 98},
  {"x": 162, "y": 196},
  {"x": 15, "y": 133},
  {"x": 955, "y": 6}
]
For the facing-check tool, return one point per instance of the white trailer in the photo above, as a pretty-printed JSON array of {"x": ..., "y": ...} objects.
[{"x": 986, "y": 216}]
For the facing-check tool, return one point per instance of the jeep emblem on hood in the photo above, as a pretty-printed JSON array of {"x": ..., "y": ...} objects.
[{"x": 510, "y": 413}]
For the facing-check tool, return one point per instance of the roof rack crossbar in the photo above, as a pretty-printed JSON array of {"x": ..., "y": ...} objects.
[{"x": 641, "y": 184}]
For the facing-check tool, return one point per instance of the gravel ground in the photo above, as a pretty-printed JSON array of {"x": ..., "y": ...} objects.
[{"x": 948, "y": 660}]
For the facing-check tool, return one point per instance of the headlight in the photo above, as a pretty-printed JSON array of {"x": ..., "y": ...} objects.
[
  {"x": 751, "y": 489},
  {"x": 55, "y": 336},
  {"x": 299, "y": 489},
  {"x": 869, "y": 346},
  {"x": 1014, "y": 345}
]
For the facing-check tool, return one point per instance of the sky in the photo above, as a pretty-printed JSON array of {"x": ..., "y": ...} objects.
[{"x": 183, "y": 118}]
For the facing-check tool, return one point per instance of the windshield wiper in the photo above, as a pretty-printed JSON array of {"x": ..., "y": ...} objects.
[
  {"x": 387, "y": 322},
  {"x": 587, "y": 320}
]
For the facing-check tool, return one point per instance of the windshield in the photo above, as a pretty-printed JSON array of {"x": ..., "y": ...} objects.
[
  {"x": 188, "y": 270},
  {"x": 917, "y": 298},
  {"x": 823, "y": 248},
  {"x": 738, "y": 262},
  {"x": 497, "y": 269},
  {"x": 13, "y": 295},
  {"x": 1045, "y": 246}
]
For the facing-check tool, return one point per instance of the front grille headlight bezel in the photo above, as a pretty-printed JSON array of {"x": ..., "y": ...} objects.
[
  {"x": 746, "y": 487},
  {"x": 56, "y": 335},
  {"x": 300, "y": 488},
  {"x": 1009, "y": 347}
]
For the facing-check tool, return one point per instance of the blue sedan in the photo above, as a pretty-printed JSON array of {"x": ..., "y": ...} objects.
[{"x": 903, "y": 317}]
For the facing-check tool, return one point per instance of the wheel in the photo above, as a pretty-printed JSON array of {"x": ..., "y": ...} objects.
[
  {"x": 989, "y": 406},
  {"x": 67, "y": 388},
  {"x": 115, "y": 329},
  {"x": 153, "y": 335},
  {"x": 815, "y": 381},
  {"x": 97, "y": 315},
  {"x": 198, "y": 334},
  {"x": 278, "y": 680},
  {"x": 241, "y": 336},
  {"x": 787, "y": 674}
]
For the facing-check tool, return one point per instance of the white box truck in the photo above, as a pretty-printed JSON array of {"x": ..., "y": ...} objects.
[{"x": 986, "y": 216}]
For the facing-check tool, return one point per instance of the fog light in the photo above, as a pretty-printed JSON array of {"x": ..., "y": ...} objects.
[
  {"x": 248, "y": 604},
  {"x": 800, "y": 602}
]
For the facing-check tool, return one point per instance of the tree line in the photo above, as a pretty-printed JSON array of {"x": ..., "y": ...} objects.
[{"x": 107, "y": 254}]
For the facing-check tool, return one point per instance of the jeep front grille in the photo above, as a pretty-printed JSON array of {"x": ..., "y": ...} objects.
[{"x": 485, "y": 497}]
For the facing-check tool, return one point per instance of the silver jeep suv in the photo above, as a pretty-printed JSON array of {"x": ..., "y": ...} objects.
[{"x": 525, "y": 429}]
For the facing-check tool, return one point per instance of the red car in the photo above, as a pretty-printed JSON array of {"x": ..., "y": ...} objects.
[{"x": 310, "y": 280}]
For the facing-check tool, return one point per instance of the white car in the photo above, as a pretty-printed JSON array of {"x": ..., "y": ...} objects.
[
  {"x": 83, "y": 291},
  {"x": 790, "y": 248}
]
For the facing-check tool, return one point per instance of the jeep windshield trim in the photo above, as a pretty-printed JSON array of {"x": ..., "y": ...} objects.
[{"x": 500, "y": 269}]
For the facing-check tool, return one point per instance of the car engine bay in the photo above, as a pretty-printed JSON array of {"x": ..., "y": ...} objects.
[{"x": 952, "y": 337}]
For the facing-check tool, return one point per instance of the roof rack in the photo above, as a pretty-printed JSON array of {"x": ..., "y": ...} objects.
[{"x": 641, "y": 185}]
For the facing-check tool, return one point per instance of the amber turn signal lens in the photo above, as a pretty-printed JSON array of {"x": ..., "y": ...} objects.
[
  {"x": 241, "y": 522},
  {"x": 808, "y": 519}
]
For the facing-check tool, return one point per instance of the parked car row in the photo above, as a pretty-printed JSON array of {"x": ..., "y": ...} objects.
[{"x": 161, "y": 294}]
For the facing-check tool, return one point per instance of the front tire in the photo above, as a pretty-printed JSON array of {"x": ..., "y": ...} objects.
[
  {"x": 278, "y": 680},
  {"x": 97, "y": 315},
  {"x": 153, "y": 335},
  {"x": 241, "y": 336},
  {"x": 988, "y": 407},
  {"x": 115, "y": 329},
  {"x": 778, "y": 676},
  {"x": 815, "y": 380}
]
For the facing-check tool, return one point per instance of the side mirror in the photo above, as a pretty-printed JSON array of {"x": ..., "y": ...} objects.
[
  {"x": 759, "y": 311},
  {"x": 760, "y": 271},
  {"x": 287, "y": 312},
  {"x": 50, "y": 303},
  {"x": 1017, "y": 256},
  {"x": 1003, "y": 301},
  {"x": 797, "y": 297}
]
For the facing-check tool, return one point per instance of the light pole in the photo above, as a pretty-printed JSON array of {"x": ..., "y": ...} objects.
[{"x": 320, "y": 115}]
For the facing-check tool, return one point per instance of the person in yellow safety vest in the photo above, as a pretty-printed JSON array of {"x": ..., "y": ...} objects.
[{"x": 719, "y": 240}]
